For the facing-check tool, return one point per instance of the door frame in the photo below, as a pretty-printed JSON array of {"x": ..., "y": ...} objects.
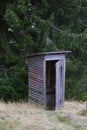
[{"x": 60, "y": 83}]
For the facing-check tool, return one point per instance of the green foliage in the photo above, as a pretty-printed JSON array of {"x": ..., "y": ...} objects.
[
  {"x": 11, "y": 18},
  {"x": 28, "y": 26}
]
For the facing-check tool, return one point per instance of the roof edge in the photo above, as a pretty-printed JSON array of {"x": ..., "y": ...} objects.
[{"x": 48, "y": 53}]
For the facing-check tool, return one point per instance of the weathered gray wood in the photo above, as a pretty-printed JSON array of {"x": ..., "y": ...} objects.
[
  {"x": 35, "y": 94},
  {"x": 38, "y": 72},
  {"x": 35, "y": 82},
  {"x": 61, "y": 83},
  {"x": 40, "y": 80},
  {"x": 54, "y": 57},
  {"x": 36, "y": 97},
  {"x": 36, "y": 91},
  {"x": 63, "y": 79},
  {"x": 33, "y": 100},
  {"x": 48, "y": 53},
  {"x": 34, "y": 67},
  {"x": 36, "y": 88},
  {"x": 35, "y": 76},
  {"x": 44, "y": 84},
  {"x": 57, "y": 85}
]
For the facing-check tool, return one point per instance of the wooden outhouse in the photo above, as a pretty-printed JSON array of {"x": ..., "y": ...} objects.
[{"x": 46, "y": 78}]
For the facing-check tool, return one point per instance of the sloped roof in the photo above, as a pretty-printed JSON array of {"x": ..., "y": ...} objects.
[{"x": 49, "y": 53}]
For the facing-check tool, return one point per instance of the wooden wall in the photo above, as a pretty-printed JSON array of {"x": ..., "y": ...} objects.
[
  {"x": 38, "y": 79},
  {"x": 35, "y": 79}
]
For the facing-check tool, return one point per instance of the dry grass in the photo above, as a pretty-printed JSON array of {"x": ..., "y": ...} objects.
[{"x": 25, "y": 116}]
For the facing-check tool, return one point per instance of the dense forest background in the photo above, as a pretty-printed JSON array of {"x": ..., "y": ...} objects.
[{"x": 30, "y": 26}]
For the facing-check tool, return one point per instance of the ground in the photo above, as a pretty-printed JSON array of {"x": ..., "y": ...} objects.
[{"x": 25, "y": 116}]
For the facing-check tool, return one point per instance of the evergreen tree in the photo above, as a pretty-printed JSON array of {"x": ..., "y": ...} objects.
[
  {"x": 22, "y": 33},
  {"x": 28, "y": 26}
]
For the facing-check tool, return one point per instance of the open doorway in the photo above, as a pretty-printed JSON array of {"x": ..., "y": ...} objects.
[
  {"x": 50, "y": 84},
  {"x": 55, "y": 78}
]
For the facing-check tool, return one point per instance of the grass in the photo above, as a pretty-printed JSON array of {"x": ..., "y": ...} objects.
[
  {"x": 83, "y": 112},
  {"x": 25, "y": 116}
]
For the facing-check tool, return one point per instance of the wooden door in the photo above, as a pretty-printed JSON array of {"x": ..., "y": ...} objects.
[{"x": 60, "y": 83}]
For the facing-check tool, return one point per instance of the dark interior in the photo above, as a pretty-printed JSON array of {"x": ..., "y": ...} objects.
[{"x": 50, "y": 84}]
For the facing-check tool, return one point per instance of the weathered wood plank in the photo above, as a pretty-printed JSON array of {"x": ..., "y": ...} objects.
[
  {"x": 57, "y": 85},
  {"x": 63, "y": 80},
  {"x": 38, "y": 82},
  {"x": 44, "y": 84},
  {"x": 37, "y": 92},
  {"x": 32, "y": 76},
  {"x": 36, "y": 88},
  {"x": 34, "y": 95},
  {"x": 54, "y": 57},
  {"x": 33, "y": 100}
]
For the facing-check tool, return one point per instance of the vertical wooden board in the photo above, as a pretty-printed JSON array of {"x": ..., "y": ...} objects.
[
  {"x": 44, "y": 82},
  {"x": 57, "y": 85},
  {"x": 63, "y": 81},
  {"x": 60, "y": 83}
]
